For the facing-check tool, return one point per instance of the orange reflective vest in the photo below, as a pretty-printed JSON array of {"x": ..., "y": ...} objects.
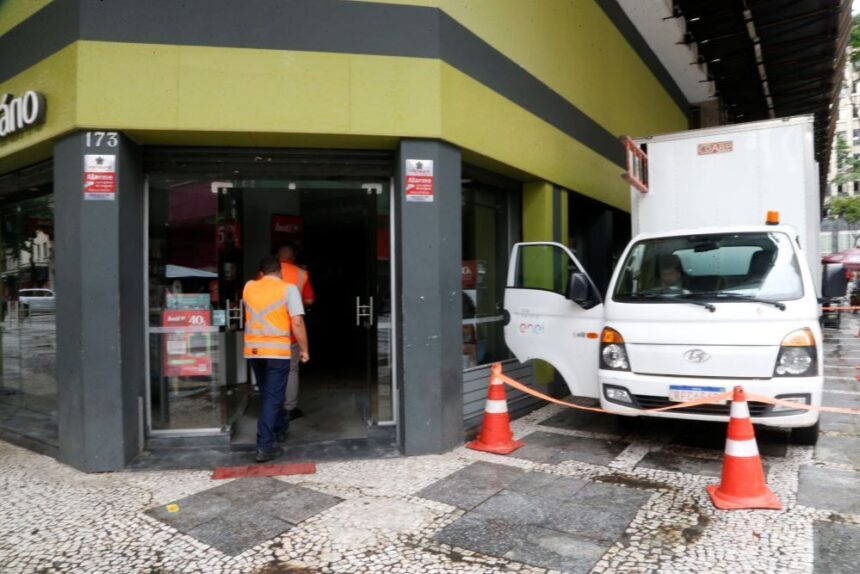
[
  {"x": 267, "y": 321},
  {"x": 297, "y": 276}
]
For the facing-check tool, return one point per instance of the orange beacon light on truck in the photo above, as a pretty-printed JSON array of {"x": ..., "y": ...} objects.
[{"x": 772, "y": 218}]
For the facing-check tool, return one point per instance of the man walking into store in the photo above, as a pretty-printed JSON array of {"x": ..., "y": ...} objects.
[
  {"x": 294, "y": 275},
  {"x": 274, "y": 318}
]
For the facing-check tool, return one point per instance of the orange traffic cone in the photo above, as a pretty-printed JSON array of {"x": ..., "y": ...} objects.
[
  {"x": 496, "y": 435},
  {"x": 742, "y": 484}
]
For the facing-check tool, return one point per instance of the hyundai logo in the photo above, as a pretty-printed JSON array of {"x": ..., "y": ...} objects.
[{"x": 696, "y": 356}]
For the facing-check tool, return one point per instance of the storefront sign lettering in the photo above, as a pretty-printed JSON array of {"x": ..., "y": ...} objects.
[
  {"x": 100, "y": 177},
  {"x": 21, "y": 113},
  {"x": 419, "y": 180}
]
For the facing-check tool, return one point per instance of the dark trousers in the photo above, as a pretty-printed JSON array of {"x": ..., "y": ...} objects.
[{"x": 271, "y": 375}]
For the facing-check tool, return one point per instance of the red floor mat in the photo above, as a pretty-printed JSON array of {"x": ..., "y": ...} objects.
[{"x": 264, "y": 470}]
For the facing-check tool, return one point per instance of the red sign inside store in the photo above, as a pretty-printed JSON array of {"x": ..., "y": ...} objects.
[
  {"x": 186, "y": 351},
  {"x": 286, "y": 229}
]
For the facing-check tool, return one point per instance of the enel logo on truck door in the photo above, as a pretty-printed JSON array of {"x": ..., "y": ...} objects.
[{"x": 715, "y": 147}]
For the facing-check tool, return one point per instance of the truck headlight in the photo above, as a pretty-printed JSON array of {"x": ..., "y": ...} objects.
[
  {"x": 613, "y": 355},
  {"x": 797, "y": 355}
]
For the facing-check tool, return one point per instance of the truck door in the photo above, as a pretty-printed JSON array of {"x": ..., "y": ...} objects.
[{"x": 543, "y": 323}]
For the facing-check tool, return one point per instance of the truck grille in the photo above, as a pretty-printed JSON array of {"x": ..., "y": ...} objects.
[{"x": 652, "y": 402}]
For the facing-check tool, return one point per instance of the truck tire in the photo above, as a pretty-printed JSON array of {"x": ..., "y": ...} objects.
[{"x": 805, "y": 436}]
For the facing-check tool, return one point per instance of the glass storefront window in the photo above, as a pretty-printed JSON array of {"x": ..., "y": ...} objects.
[
  {"x": 484, "y": 268},
  {"x": 28, "y": 386}
]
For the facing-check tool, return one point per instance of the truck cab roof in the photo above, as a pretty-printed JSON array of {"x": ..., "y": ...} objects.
[{"x": 719, "y": 230}]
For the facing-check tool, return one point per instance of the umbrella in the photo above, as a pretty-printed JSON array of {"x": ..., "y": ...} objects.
[
  {"x": 850, "y": 258},
  {"x": 176, "y": 271}
]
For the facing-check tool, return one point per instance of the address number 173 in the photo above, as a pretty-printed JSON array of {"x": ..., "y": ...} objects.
[{"x": 97, "y": 139}]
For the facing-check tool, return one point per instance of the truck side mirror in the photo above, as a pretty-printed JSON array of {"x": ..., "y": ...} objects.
[
  {"x": 582, "y": 291},
  {"x": 577, "y": 289},
  {"x": 833, "y": 281}
]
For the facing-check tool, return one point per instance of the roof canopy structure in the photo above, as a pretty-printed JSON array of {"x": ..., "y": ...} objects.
[{"x": 773, "y": 58}]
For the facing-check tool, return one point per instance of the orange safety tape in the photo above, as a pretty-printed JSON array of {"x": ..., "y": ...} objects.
[
  {"x": 855, "y": 308},
  {"x": 780, "y": 402},
  {"x": 528, "y": 390},
  {"x": 712, "y": 399}
]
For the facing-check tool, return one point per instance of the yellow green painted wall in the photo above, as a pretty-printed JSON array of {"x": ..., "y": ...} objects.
[
  {"x": 187, "y": 95},
  {"x": 574, "y": 48},
  {"x": 13, "y": 12},
  {"x": 537, "y": 206},
  {"x": 55, "y": 78}
]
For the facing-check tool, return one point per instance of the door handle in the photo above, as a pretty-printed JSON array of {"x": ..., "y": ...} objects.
[
  {"x": 235, "y": 314},
  {"x": 363, "y": 311}
]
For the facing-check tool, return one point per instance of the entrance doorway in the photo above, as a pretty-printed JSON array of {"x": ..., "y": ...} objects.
[{"x": 206, "y": 239}]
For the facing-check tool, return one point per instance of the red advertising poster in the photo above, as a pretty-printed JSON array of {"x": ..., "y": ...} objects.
[
  {"x": 286, "y": 229},
  {"x": 100, "y": 177},
  {"x": 186, "y": 351},
  {"x": 419, "y": 180}
]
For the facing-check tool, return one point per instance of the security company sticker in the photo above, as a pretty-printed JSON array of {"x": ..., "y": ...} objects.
[
  {"x": 100, "y": 177},
  {"x": 419, "y": 180}
]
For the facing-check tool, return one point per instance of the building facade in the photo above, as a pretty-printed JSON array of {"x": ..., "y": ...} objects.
[
  {"x": 159, "y": 149},
  {"x": 836, "y": 234}
]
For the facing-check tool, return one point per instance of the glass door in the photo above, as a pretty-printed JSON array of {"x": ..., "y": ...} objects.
[
  {"x": 346, "y": 247},
  {"x": 206, "y": 237},
  {"x": 195, "y": 285}
]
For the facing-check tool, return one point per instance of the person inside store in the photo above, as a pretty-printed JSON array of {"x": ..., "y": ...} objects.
[
  {"x": 274, "y": 318},
  {"x": 298, "y": 276}
]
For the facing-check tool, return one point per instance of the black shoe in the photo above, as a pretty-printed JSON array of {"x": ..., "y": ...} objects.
[
  {"x": 294, "y": 414},
  {"x": 267, "y": 455}
]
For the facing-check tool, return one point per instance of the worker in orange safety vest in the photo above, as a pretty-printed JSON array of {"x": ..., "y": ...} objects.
[
  {"x": 295, "y": 275},
  {"x": 274, "y": 318}
]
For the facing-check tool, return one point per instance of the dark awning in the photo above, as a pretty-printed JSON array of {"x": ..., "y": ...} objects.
[{"x": 774, "y": 58}]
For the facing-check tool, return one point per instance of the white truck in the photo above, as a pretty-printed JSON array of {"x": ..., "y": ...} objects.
[{"x": 708, "y": 294}]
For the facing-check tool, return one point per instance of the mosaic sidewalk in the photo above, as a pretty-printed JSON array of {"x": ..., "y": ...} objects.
[{"x": 582, "y": 496}]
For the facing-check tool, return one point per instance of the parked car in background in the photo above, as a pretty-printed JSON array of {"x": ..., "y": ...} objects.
[{"x": 36, "y": 300}]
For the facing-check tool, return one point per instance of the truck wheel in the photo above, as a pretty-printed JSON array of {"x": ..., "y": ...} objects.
[{"x": 805, "y": 436}]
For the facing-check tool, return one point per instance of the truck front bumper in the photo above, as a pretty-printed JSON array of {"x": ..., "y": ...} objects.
[{"x": 650, "y": 391}]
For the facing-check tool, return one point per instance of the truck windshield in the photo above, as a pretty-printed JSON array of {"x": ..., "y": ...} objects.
[{"x": 719, "y": 267}]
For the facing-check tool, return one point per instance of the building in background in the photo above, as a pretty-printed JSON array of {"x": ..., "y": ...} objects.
[
  {"x": 403, "y": 145},
  {"x": 844, "y": 177}
]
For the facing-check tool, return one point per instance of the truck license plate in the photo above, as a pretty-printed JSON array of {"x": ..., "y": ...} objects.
[{"x": 684, "y": 393}]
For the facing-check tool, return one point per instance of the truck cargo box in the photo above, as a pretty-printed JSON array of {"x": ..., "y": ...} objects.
[{"x": 732, "y": 175}]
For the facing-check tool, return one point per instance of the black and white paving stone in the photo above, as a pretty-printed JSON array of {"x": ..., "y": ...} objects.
[{"x": 584, "y": 495}]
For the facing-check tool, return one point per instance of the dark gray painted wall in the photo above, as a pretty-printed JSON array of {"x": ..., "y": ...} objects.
[
  {"x": 429, "y": 246},
  {"x": 132, "y": 318},
  {"x": 97, "y": 404}
]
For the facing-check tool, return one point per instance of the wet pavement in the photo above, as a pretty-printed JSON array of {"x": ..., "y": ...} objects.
[{"x": 583, "y": 495}]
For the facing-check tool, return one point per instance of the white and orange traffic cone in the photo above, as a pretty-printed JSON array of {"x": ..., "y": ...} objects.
[
  {"x": 496, "y": 435},
  {"x": 742, "y": 484}
]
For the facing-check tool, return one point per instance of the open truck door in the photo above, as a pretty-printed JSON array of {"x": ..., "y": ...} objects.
[{"x": 554, "y": 313}]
